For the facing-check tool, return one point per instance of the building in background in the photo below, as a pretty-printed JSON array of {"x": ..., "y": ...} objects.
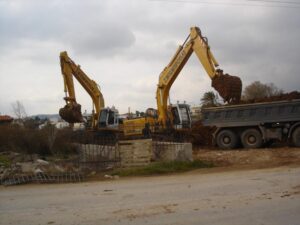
[
  {"x": 5, "y": 119},
  {"x": 196, "y": 113}
]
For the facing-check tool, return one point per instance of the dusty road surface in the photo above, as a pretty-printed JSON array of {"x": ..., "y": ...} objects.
[{"x": 265, "y": 196}]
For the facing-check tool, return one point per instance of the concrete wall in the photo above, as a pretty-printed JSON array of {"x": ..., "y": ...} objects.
[
  {"x": 135, "y": 152},
  {"x": 171, "y": 151}
]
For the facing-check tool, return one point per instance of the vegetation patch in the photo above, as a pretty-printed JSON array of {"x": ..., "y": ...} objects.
[
  {"x": 4, "y": 161},
  {"x": 162, "y": 168}
]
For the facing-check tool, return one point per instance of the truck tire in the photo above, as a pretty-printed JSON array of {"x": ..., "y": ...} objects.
[
  {"x": 227, "y": 139},
  {"x": 251, "y": 138},
  {"x": 296, "y": 137}
]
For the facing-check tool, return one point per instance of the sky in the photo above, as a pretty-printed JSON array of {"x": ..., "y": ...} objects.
[{"x": 125, "y": 44}]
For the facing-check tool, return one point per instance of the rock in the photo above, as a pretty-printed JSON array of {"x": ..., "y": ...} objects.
[
  {"x": 37, "y": 171},
  {"x": 108, "y": 176},
  {"x": 42, "y": 162},
  {"x": 26, "y": 167},
  {"x": 59, "y": 168}
]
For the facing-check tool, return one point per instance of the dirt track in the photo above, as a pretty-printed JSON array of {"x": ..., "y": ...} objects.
[
  {"x": 235, "y": 193},
  {"x": 265, "y": 196}
]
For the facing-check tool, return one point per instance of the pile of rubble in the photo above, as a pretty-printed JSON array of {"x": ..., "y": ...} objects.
[
  {"x": 201, "y": 135},
  {"x": 21, "y": 168}
]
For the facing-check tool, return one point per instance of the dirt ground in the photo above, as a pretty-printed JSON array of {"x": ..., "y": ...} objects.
[
  {"x": 253, "y": 158},
  {"x": 238, "y": 197},
  {"x": 257, "y": 186}
]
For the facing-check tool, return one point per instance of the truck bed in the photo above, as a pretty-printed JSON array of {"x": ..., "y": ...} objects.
[{"x": 252, "y": 114}]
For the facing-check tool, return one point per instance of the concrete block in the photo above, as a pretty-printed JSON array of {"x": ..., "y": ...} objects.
[
  {"x": 135, "y": 152},
  {"x": 169, "y": 151}
]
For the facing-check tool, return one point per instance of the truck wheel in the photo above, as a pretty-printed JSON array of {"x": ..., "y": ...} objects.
[
  {"x": 296, "y": 137},
  {"x": 251, "y": 138},
  {"x": 227, "y": 139}
]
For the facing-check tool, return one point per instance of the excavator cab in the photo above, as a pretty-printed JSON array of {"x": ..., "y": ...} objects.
[
  {"x": 181, "y": 116},
  {"x": 108, "y": 118}
]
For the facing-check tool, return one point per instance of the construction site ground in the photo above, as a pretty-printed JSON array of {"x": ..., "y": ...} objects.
[
  {"x": 247, "y": 187},
  {"x": 251, "y": 158}
]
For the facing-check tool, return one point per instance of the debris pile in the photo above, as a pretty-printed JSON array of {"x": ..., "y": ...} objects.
[
  {"x": 201, "y": 135},
  {"x": 16, "y": 168}
]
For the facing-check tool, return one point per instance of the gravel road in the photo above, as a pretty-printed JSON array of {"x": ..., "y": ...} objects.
[{"x": 265, "y": 196}]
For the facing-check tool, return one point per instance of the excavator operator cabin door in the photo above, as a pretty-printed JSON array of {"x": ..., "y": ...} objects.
[
  {"x": 181, "y": 116},
  {"x": 112, "y": 119}
]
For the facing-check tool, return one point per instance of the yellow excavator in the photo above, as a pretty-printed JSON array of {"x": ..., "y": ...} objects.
[
  {"x": 178, "y": 116},
  {"x": 71, "y": 112}
]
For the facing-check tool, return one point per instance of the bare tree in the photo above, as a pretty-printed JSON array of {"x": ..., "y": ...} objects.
[
  {"x": 19, "y": 110},
  {"x": 257, "y": 90},
  {"x": 50, "y": 133}
]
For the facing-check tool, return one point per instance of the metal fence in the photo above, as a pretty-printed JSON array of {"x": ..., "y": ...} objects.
[
  {"x": 98, "y": 157},
  {"x": 43, "y": 178}
]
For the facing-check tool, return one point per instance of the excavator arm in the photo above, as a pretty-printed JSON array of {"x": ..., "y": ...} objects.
[
  {"x": 229, "y": 87},
  {"x": 71, "y": 112}
]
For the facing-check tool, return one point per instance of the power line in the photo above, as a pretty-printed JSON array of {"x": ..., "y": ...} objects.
[
  {"x": 274, "y": 1},
  {"x": 296, "y": 5}
]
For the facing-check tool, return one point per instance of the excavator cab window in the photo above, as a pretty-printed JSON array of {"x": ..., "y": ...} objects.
[
  {"x": 108, "y": 118},
  {"x": 181, "y": 116},
  {"x": 102, "y": 118},
  {"x": 184, "y": 114}
]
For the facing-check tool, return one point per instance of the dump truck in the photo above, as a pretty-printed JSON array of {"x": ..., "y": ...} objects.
[{"x": 254, "y": 125}]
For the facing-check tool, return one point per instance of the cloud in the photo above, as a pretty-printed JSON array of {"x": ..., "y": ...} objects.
[
  {"x": 124, "y": 46},
  {"x": 101, "y": 40}
]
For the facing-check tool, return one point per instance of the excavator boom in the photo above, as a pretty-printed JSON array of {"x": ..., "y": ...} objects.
[
  {"x": 229, "y": 87},
  {"x": 71, "y": 112}
]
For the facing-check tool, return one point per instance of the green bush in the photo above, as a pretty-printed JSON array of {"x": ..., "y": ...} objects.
[{"x": 4, "y": 161}]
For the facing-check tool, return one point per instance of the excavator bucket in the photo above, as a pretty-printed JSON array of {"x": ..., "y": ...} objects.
[
  {"x": 71, "y": 113},
  {"x": 229, "y": 87}
]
